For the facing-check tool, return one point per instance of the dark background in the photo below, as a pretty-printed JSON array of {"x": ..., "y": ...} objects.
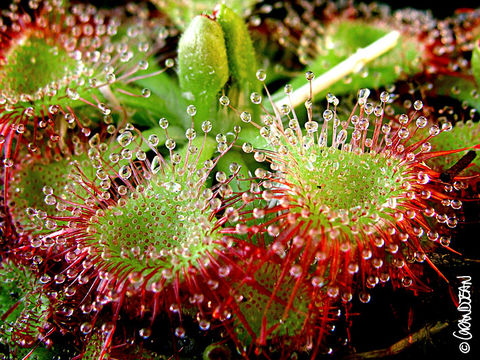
[{"x": 440, "y": 8}]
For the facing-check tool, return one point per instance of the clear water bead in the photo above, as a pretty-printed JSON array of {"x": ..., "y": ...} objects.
[
  {"x": 72, "y": 94},
  {"x": 206, "y": 126},
  {"x": 255, "y": 98},
  {"x": 190, "y": 134},
  {"x": 247, "y": 147},
  {"x": 125, "y": 172},
  {"x": 163, "y": 123},
  {"x": 47, "y": 190},
  {"x": 143, "y": 65},
  {"x": 434, "y": 130},
  {"x": 125, "y": 139},
  {"x": 191, "y": 110},
  {"x": 285, "y": 109},
  {"x": 363, "y": 94},
  {"x": 246, "y": 117},
  {"x": 332, "y": 99},
  {"x": 261, "y": 75},
  {"x": 170, "y": 144},
  {"x": 418, "y": 105},
  {"x": 421, "y": 122},
  {"x": 224, "y": 100},
  {"x": 153, "y": 140},
  {"x": 403, "y": 119},
  {"x": 220, "y": 138},
  {"x": 145, "y": 333},
  {"x": 327, "y": 115},
  {"x": 403, "y": 133},
  {"x": 341, "y": 136},
  {"x": 311, "y": 126},
  {"x": 447, "y": 126},
  {"x": 384, "y": 97}
]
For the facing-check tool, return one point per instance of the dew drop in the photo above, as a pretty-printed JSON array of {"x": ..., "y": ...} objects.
[
  {"x": 153, "y": 140},
  {"x": 407, "y": 281},
  {"x": 72, "y": 94},
  {"x": 206, "y": 126},
  {"x": 295, "y": 271},
  {"x": 191, "y": 110},
  {"x": 384, "y": 96},
  {"x": 180, "y": 332},
  {"x": 333, "y": 291},
  {"x": 163, "y": 123},
  {"x": 204, "y": 324},
  {"x": 170, "y": 144},
  {"x": 125, "y": 139},
  {"x": 255, "y": 98},
  {"x": 364, "y": 297},
  {"x": 246, "y": 117},
  {"x": 125, "y": 172},
  {"x": 224, "y": 100},
  {"x": 418, "y": 105},
  {"x": 190, "y": 134},
  {"x": 247, "y": 147},
  {"x": 421, "y": 122},
  {"x": 327, "y": 115},
  {"x": 261, "y": 75},
  {"x": 86, "y": 328},
  {"x": 434, "y": 130},
  {"x": 145, "y": 333},
  {"x": 363, "y": 94}
]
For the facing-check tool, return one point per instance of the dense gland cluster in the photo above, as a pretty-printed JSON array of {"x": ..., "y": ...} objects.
[
  {"x": 96, "y": 62},
  {"x": 25, "y": 307},
  {"x": 28, "y": 53},
  {"x": 355, "y": 190},
  {"x": 129, "y": 230}
]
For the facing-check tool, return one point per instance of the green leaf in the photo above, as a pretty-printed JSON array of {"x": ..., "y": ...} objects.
[
  {"x": 224, "y": 165},
  {"x": 165, "y": 94},
  {"x": 159, "y": 104},
  {"x": 462, "y": 135},
  {"x": 459, "y": 88},
  {"x": 209, "y": 148}
]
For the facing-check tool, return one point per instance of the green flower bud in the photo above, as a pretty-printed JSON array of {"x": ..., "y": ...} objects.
[
  {"x": 240, "y": 51},
  {"x": 202, "y": 60}
]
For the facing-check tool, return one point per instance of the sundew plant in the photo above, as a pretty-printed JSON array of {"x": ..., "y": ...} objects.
[{"x": 237, "y": 180}]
